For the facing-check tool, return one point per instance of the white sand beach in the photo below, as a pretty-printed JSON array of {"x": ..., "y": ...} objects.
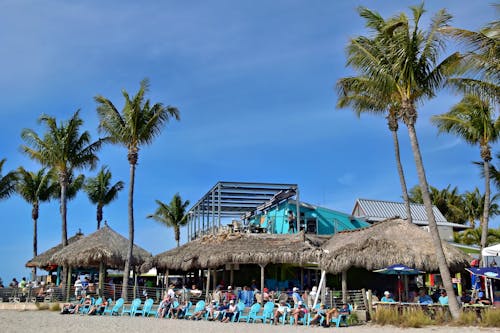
[{"x": 48, "y": 321}]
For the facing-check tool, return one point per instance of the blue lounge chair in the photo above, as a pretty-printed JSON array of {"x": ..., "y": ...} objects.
[
  {"x": 239, "y": 313},
  {"x": 254, "y": 311},
  {"x": 198, "y": 307},
  {"x": 133, "y": 307},
  {"x": 174, "y": 306},
  {"x": 146, "y": 309},
  {"x": 116, "y": 308},
  {"x": 106, "y": 308},
  {"x": 267, "y": 313}
]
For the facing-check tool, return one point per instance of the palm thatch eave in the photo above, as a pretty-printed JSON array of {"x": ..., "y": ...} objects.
[
  {"x": 105, "y": 245},
  {"x": 43, "y": 260},
  {"x": 213, "y": 251}
]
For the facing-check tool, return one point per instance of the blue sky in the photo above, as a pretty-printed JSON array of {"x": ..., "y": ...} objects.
[{"x": 254, "y": 83}]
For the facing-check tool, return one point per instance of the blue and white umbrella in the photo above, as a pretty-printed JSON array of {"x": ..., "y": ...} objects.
[{"x": 489, "y": 272}]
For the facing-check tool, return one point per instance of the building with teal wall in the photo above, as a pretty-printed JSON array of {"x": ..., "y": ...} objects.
[{"x": 313, "y": 219}]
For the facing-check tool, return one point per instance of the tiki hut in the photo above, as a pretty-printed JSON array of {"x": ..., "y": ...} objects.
[
  {"x": 386, "y": 243},
  {"x": 212, "y": 251},
  {"x": 103, "y": 248},
  {"x": 43, "y": 260}
]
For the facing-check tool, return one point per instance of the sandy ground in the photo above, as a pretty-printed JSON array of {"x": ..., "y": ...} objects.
[{"x": 47, "y": 321}]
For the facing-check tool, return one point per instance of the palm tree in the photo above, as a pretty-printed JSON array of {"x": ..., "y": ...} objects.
[
  {"x": 64, "y": 149},
  {"x": 409, "y": 72},
  {"x": 473, "y": 120},
  {"x": 137, "y": 125},
  {"x": 473, "y": 237},
  {"x": 473, "y": 207},
  {"x": 7, "y": 182},
  {"x": 172, "y": 215},
  {"x": 365, "y": 96},
  {"x": 35, "y": 188},
  {"x": 101, "y": 192}
]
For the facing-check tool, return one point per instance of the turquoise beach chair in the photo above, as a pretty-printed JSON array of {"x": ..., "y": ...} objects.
[
  {"x": 133, "y": 307},
  {"x": 116, "y": 307},
  {"x": 240, "y": 313},
  {"x": 146, "y": 309},
  {"x": 198, "y": 307},
  {"x": 267, "y": 313},
  {"x": 252, "y": 314}
]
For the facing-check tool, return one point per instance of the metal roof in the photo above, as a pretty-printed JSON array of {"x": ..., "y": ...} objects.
[
  {"x": 234, "y": 200},
  {"x": 377, "y": 210}
]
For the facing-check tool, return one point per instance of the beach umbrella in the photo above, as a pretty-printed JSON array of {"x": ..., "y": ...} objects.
[
  {"x": 489, "y": 272},
  {"x": 399, "y": 269}
]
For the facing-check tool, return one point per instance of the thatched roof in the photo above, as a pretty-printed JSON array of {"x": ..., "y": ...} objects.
[
  {"x": 104, "y": 245},
  {"x": 386, "y": 243},
  {"x": 43, "y": 260},
  {"x": 238, "y": 248}
]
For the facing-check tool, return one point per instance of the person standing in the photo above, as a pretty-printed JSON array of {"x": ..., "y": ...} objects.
[{"x": 291, "y": 222}]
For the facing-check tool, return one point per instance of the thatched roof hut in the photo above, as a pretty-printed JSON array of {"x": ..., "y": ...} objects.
[
  {"x": 213, "y": 251},
  {"x": 385, "y": 243},
  {"x": 104, "y": 246},
  {"x": 43, "y": 260}
]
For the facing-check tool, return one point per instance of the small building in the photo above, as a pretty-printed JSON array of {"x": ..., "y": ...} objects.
[{"x": 378, "y": 210}]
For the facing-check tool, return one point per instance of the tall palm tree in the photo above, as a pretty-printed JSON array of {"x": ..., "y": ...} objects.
[
  {"x": 35, "y": 188},
  {"x": 365, "y": 96},
  {"x": 473, "y": 120},
  {"x": 137, "y": 125},
  {"x": 7, "y": 182},
  {"x": 101, "y": 192},
  {"x": 410, "y": 72},
  {"x": 172, "y": 215},
  {"x": 64, "y": 149},
  {"x": 473, "y": 208},
  {"x": 449, "y": 202}
]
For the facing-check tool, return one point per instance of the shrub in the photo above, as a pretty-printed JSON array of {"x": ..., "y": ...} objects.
[
  {"x": 42, "y": 306},
  {"x": 442, "y": 315},
  {"x": 467, "y": 318},
  {"x": 491, "y": 318},
  {"x": 55, "y": 307},
  {"x": 415, "y": 318},
  {"x": 386, "y": 316}
]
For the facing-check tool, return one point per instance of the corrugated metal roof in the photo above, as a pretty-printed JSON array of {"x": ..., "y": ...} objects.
[{"x": 377, "y": 210}]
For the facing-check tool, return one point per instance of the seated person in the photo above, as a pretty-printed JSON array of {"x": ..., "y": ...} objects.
[
  {"x": 387, "y": 297},
  {"x": 299, "y": 312},
  {"x": 211, "y": 308},
  {"x": 198, "y": 315},
  {"x": 443, "y": 299},
  {"x": 86, "y": 303},
  {"x": 465, "y": 298},
  {"x": 282, "y": 309},
  {"x": 180, "y": 310},
  {"x": 423, "y": 298},
  {"x": 334, "y": 313},
  {"x": 195, "y": 292},
  {"x": 481, "y": 299},
  {"x": 318, "y": 315},
  {"x": 164, "y": 306},
  {"x": 219, "y": 310},
  {"x": 69, "y": 308},
  {"x": 98, "y": 309},
  {"x": 230, "y": 312}
]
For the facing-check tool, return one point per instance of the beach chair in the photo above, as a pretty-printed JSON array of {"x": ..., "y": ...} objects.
[
  {"x": 198, "y": 307},
  {"x": 116, "y": 307},
  {"x": 133, "y": 308},
  {"x": 267, "y": 313},
  {"x": 108, "y": 307},
  {"x": 86, "y": 308},
  {"x": 148, "y": 305},
  {"x": 174, "y": 305},
  {"x": 254, "y": 311},
  {"x": 239, "y": 313}
]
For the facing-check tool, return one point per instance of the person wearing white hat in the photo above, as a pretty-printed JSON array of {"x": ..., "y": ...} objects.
[
  {"x": 232, "y": 311},
  {"x": 296, "y": 296},
  {"x": 299, "y": 312},
  {"x": 387, "y": 297}
]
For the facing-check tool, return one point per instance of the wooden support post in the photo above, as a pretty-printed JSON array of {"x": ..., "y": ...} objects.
[
  {"x": 344, "y": 286},
  {"x": 301, "y": 278},
  {"x": 207, "y": 298},
  {"x": 370, "y": 302},
  {"x": 231, "y": 276},
  {"x": 214, "y": 278},
  {"x": 68, "y": 284},
  {"x": 102, "y": 272},
  {"x": 262, "y": 270}
]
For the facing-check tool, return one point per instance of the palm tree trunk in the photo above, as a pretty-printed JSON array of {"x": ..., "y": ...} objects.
[
  {"x": 436, "y": 240},
  {"x": 63, "y": 182},
  {"x": 126, "y": 269},
  {"x": 402, "y": 180},
  {"x": 99, "y": 216},
  {"x": 177, "y": 232},
  {"x": 34, "y": 214},
  {"x": 486, "y": 211}
]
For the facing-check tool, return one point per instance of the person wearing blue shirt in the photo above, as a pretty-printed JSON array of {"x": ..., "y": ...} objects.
[
  {"x": 423, "y": 298},
  {"x": 443, "y": 299},
  {"x": 296, "y": 296},
  {"x": 387, "y": 298}
]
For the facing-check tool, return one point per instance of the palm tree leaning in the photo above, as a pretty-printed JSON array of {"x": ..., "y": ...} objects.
[
  {"x": 101, "y": 192},
  {"x": 7, "y": 182},
  {"x": 473, "y": 120},
  {"x": 63, "y": 149},
  {"x": 35, "y": 188},
  {"x": 172, "y": 215},
  {"x": 366, "y": 96},
  {"x": 409, "y": 73},
  {"x": 137, "y": 125}
]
